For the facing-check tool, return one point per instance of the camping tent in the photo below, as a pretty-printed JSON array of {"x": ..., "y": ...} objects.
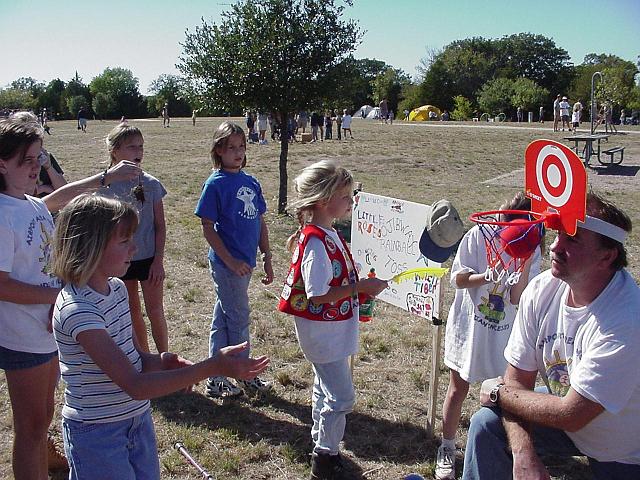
[
  {"x": 363, "y": 111},
  {"x": 421, "y": 114},
  {"x": 374, "y": 113}
]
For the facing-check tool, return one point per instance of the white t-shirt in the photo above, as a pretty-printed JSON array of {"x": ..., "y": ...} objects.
[
  {"x": 346, "y": 121},
  {"x": 564, "y": 108},
  {"x": 26, "y": 231},
  {"x": 480, "y": 319},
  {"x": 90, "y": 395},
  {"x": 594, "y": 350},
  {"x": 324, "y": 342},
  {"x": 575, "y": 117}
]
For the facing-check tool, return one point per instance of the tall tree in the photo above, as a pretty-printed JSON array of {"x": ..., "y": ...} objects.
[
  {"x": 122, "y": 87},
  {"x": 52, "y": 99},
  {"x": 389, "y": 84},
  {"x": 169, "y": 89},
  {"x": 270, "y": 55}
]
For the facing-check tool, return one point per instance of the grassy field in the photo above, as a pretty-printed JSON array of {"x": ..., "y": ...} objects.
[{"x": 476, "y": 166}]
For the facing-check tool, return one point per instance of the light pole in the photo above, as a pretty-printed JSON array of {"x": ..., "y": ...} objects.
[{"x": 593, "y": 99}]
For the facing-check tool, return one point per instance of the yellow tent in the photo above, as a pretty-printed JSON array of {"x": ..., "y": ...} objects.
[{"x": 421, "y": 114}]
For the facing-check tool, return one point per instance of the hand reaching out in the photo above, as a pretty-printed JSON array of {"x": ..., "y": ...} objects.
[{"x": 227, "y": 363}]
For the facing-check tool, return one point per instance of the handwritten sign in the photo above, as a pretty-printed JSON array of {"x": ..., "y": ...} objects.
[{"x": 385, "y": 236}]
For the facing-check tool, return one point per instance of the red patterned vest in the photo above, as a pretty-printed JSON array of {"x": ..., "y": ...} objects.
[{"x": 294, "y": 298}]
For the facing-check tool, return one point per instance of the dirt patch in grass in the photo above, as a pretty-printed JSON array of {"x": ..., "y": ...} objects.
[{"x": 267, "y": 437}]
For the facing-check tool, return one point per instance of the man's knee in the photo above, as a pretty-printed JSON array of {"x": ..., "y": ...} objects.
[{"x": 486, "y": 421}]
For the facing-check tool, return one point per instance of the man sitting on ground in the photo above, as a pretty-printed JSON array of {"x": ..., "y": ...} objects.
[{"x": 578, "y": 326}]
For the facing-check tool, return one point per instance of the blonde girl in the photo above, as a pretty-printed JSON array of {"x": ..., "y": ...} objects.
[
  {"x": 125, "y": 143},
  {"x": 321, "y": 292},
  {"x": 107, "y": 427},
  {"x": 231, "y": 209},
  {"x": 28, "y": 353}
]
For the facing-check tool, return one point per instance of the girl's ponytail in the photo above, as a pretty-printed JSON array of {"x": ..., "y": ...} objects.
[{"x": 293, "y": 239}]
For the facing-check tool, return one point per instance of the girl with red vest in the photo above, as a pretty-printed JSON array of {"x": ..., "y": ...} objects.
[{"x": 321, "y": 291}]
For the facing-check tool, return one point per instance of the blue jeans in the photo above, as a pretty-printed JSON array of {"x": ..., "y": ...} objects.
[
  {"x": 487, "y": 455},
  {"x": 125, "y": 449},
  {"x": 333, "y": 397},
  {"x": 230, "y": 324}
]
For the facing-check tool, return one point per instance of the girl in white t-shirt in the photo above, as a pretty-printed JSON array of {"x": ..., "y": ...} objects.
[
  {"x": 478, "y": 328},
  {"x": 28, "y": 352},
  {"x": 346, "y": 124},
  {"x": 108, "y": 378},
  {"x": 321, "y": 292}
]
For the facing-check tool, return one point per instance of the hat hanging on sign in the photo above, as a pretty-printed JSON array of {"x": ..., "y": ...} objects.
[{"x": 442, "y": 232}]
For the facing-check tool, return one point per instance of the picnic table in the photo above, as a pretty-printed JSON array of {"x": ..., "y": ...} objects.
[{"x": 587, "y": 150}]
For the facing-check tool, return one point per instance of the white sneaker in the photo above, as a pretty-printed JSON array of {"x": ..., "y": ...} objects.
[
  {"x": 221, "y": 387},
  {"x": 445, "y": 464},
  {"x": 255, "y": 384}
]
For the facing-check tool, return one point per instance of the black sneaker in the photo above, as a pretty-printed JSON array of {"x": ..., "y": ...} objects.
[{"x": 328, "y": 467}]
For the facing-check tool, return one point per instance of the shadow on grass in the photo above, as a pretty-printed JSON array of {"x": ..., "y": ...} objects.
[
  {"x": 619, "y": 170},
  {"x": 367, "y": 437}
]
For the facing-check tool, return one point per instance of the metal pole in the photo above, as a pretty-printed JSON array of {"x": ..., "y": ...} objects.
[
  {"x": 593, "y": 99},
  {"x": 205, "y": 475}
]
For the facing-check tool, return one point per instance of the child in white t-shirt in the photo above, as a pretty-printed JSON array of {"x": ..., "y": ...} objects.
[
  {"x": 478, "y": 328},
  {"x": 321, "y": 291}
]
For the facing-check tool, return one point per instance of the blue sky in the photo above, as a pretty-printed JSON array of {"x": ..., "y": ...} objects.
[{"x": 48, "y": 39}]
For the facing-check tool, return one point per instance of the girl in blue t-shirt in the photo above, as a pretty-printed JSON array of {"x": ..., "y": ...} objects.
[
  {"x": 231, "y": 208},
  {"x": 107, "y": 427}
]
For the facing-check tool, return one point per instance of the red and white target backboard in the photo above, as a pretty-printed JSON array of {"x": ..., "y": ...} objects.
[{"x": 556, "y": 182}]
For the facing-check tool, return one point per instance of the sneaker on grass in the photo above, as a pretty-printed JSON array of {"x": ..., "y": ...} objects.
[
  {"x": 255, "y": 385},
  {"x": 221, "y": 387},
  {"x": 445, "y": 464}
]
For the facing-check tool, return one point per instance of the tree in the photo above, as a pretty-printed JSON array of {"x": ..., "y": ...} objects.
[
  {"x": 495, "y": 95},
  {"x": 103, "y": 105},
  {"x": 389, "y": 85},
  {"x": 169, "y": 89},
  {"x": 527, "y": 94},
  {"x": 52, "y": 99},
  {"x": 269, "y": 55},
  {"x": 462, "y": 108},
  {"x": 14, "y": 98},
  {"x": 122, "y": 87},
  {"x": 74, "y": 104}
]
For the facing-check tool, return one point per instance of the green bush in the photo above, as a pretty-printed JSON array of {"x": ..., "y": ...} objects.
[{"x": 462, "y": 109}]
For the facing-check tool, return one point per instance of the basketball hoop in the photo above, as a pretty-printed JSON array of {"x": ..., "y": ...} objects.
[{"x": 509, "y": 243}]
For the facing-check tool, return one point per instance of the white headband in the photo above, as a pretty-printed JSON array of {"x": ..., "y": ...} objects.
[{"x": 604, "y": 228}]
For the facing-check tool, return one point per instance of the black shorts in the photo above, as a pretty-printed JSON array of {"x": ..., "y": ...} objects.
[{"x": 138, "y": 270}]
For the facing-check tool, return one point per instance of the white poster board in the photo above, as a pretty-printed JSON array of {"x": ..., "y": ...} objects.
[{"x": 385, "y": 235}]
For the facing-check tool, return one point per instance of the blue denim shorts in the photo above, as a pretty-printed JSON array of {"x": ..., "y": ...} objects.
[
  {"x": 125, "y": 449},
  {"x": 14, "y": 360}
]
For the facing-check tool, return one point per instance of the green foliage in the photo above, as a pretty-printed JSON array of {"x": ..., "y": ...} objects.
[
  {"x": 169, "y": 88},
  {"x": 270, "y": 55},
  {"x": 15, "y": 98},
  {"x": 410, "y": 95},
  {"x": 122, "y": 87},
  {"x": 388, "y": 84},
  {"x": 104, "y": 105},
  {"x": 495, "y": 95},
  {"x": 527, "y": 94},
  {"x": 52, "y": 99},
  {"x": 462, "y": 108},
  {"x": 74, "y": 104}
]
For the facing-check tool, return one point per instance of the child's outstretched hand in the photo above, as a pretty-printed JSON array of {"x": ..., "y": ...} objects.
[
  {"x": 372, "y": 286},
  {"x": 173, "y": 361},
  {"x": 124, "y": 170},
  {"x": 228, "y": 363}
]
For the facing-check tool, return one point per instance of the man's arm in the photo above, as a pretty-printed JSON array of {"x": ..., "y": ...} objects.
[{"x": 569, "y": 413}]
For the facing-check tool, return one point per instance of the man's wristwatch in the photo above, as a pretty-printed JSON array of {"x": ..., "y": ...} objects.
[{"x": 494, "y": 394}]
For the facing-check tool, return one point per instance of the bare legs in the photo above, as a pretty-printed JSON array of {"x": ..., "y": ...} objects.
[
  {"x": 154, "y": 306},
  {"x": 31, "y": 391}
]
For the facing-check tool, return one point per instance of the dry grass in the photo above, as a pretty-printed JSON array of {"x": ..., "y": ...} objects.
[{"x": 475, "y": 166}]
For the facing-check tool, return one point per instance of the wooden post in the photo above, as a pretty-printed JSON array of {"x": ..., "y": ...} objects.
[{"x": 434, "y": 374}]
